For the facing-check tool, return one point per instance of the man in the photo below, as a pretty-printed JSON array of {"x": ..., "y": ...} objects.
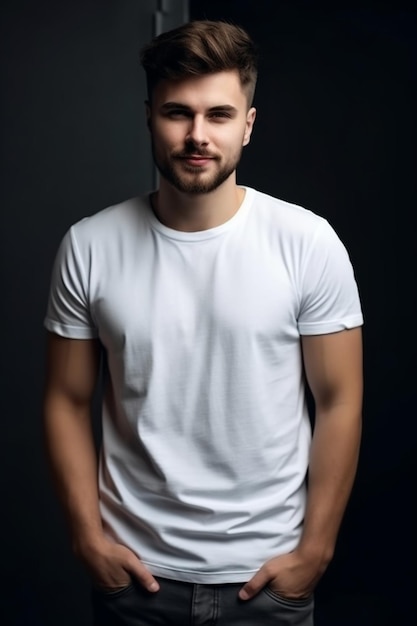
[{"x": 211, "y": 303}]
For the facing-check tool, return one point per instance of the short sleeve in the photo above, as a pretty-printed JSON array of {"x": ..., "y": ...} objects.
[
  {"x": 329, "y": 296},
  {"x": 68, "y": 311}
]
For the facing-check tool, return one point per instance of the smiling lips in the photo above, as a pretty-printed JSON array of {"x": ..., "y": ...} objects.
[{"x": 196, "y": 160}]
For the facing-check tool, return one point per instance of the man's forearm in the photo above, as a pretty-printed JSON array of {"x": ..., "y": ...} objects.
[
  {"x": 73, "y": 459},
  {"x": 332, "y": 469},
  {"x": 72, "y": 454}
]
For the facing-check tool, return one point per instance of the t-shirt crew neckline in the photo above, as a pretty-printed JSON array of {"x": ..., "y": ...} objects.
[{"x": 201, "y": 235}]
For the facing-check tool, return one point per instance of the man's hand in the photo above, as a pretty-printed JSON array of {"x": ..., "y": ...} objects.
[
  {"x": 292, "y": 576},
  {"x": 112, "y": 566}
]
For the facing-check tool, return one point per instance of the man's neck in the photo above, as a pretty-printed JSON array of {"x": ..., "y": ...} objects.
[{"x": 196, "y": 212}]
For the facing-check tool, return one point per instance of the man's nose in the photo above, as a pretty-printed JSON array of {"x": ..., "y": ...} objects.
[{"x": 197, "y": 132}]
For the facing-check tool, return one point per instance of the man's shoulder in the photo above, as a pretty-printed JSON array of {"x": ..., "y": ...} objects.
[
  {"x": 121, "y": 215},
  {"x": 284, "y": 214},
  {"x": 121, "y": 220}
]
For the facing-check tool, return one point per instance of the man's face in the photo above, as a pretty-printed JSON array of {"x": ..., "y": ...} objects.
[{"x": 198, "y": 129}]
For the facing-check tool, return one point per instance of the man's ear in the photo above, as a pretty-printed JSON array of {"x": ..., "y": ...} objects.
[{"x": 250, "y": 120}]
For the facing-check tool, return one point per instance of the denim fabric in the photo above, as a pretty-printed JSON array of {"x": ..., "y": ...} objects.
[{"x": 186, "y": 604}]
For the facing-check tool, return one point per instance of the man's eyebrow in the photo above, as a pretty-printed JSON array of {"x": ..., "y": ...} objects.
[
  {"x": 175, "y": 105},
  {"x": 167, "y": 106},
  {"x": 223, "y": 107}
]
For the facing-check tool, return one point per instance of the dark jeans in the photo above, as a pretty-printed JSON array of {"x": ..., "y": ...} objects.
[{"x": 186, "y": 604}]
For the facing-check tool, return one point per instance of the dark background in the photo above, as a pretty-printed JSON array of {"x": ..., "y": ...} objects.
[{"x": 336, "y": 132}]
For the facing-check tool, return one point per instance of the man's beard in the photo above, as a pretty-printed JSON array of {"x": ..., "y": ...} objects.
[{"x": 198, "y": 183}]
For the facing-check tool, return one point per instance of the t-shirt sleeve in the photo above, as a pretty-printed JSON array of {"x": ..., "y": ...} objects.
[
  {"x": 68, "y": 311},
  {"x": 329, "y": 298}
]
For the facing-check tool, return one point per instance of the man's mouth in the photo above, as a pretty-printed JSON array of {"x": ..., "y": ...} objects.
[{"x": 196, "y": 159}]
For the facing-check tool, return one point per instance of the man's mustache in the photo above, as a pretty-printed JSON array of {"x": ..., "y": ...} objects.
[{"x": 191, "y": 149}]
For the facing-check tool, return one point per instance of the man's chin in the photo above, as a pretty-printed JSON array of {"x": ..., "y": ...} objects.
[
  {"x": 195, "y": 189},
  {"x": 193, "y": 180},
  {"x": 194, "y": 184}
]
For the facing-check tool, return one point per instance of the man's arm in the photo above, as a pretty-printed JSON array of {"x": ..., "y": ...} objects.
[
  {"x": 333, "y": 366},
  {"x": 71, "y": 377}
]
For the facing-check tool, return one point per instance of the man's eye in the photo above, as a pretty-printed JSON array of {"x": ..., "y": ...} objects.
[
  {"x": 220, "y": 115},
  {"x": 175, "y": 114}
]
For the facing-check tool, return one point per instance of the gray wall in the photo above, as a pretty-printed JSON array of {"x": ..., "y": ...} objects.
[{"x": 74, "y": 141}]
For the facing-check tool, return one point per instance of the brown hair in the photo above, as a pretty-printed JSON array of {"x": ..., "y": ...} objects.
[{"x": 201, "y": 47}]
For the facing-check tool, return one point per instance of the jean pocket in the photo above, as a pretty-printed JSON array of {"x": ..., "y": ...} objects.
[
  {"x": 117, "y": 592},
  {"x": 289, "y": 602}
]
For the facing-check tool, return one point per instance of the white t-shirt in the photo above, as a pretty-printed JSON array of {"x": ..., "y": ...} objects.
[{"x": 205, "y": 427}]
